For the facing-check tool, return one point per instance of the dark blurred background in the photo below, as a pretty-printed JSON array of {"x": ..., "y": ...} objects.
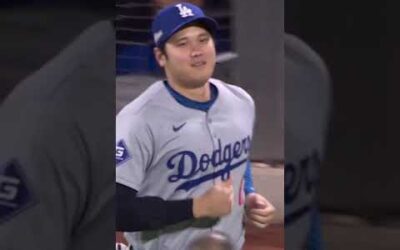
[
  {"x": 33, "y": 31},
  {"x": 359, "y": 182}
]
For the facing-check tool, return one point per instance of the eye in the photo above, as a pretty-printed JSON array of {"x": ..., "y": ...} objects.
[
  {"x": 181, "y": 44},
  {"x": 204, "y": 39}
]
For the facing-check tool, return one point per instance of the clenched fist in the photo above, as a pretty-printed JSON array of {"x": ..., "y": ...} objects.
[
  {"x": 216, "y": 202},
  {"x": 259, "y": 211}
]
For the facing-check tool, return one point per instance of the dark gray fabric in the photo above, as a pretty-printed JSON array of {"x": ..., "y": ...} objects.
[
  {"x": 58, "y": 125},
  {"x": 307, "y": 110}
]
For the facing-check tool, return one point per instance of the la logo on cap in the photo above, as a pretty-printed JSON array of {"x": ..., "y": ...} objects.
[
  {"x": 184, "y": 11},
  {"x": 158, "y": 35}
]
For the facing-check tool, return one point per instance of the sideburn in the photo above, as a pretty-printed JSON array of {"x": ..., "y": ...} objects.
[{"x": 164, "y": 52}]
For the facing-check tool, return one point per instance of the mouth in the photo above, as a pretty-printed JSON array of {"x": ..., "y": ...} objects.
[{"x": 198, "y": 64}]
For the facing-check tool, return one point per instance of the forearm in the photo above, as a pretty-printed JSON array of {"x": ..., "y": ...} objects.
[{"x": 148, "y": 213}]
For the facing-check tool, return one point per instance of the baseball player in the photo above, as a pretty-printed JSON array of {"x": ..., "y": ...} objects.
[
  {"x": 183, "y": 146},
  {"x": 307, "y": 109},
  {"x": 56, "y": 128}
]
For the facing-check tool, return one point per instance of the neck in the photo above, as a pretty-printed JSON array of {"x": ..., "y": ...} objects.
[{"x": 200, "y": 94}]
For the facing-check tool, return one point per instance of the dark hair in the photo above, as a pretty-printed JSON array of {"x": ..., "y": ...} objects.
[
  {"x": 163, "y": 51},
  {"x": 201, "y": 25}
]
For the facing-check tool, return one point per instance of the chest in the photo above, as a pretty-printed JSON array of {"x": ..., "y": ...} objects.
[{"x": 202, "y": 147}]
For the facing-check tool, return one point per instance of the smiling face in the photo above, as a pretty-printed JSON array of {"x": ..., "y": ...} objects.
[{"x": 189, "y": 58}]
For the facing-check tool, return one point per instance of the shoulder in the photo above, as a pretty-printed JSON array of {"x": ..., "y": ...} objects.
[
  {"x": 300, "y": 53},
  {"x": 146, "y": 101},
  {"x": 306, "y": 74},
  {"x": 233, "y": 91},
  {"x": 136, "y": 117}
]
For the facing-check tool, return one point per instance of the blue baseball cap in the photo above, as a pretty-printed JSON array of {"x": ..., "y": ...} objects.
[{"x": 173, "y": 17}]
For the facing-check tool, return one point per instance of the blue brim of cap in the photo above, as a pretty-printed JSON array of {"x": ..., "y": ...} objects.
[{"x": 209, "y": 23}]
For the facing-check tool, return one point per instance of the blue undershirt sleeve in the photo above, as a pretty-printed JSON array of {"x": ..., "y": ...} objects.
[
  {"x": 248, "y": 180},
  {"x": 315, "y": 237}
]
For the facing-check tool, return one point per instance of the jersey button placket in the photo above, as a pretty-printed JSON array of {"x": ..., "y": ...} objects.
[
  {"x": 210, "y": 128},
  {"x": 209, "y": 123},
  {"x": 214, "y": 140}
]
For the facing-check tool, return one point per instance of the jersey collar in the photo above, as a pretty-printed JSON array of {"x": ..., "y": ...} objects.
[{"x": 203, "y": 106}]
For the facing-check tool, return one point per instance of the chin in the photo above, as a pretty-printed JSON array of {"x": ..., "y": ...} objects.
[
  {"x": 202, "y": 77},
  {"x": 199, "y": 81},
  {"x": 196, "y": 84}
]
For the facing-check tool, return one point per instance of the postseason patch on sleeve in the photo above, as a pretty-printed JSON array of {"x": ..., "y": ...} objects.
[
  {"x": 121, "y": 153},
  {"x": 15, "y": 194}
]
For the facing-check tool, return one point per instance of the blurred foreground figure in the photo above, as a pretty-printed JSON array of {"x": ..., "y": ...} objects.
[
  {"x": 57, "y": 129},
  {"x": 307, "y": 105}
]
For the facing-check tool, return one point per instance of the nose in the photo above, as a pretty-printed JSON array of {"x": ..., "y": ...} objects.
[{"x": 196, "y": 51}]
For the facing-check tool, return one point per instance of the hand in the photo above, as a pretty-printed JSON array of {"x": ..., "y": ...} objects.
[
  {"x": 259, "y": 211},
  {"x": 216, "y": 202}
]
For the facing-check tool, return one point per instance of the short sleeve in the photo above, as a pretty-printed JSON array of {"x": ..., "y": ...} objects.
[{"x": 134, "y": 150}]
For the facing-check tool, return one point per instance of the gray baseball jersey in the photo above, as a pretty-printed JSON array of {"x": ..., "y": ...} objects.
[
  {"x": 169, "y": 149},
  {"x": 307, "y": 103},
  {"x": 57, "y": 145}
]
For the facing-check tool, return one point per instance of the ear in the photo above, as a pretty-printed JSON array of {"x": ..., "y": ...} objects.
[{"x": 160, "y": 57}]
